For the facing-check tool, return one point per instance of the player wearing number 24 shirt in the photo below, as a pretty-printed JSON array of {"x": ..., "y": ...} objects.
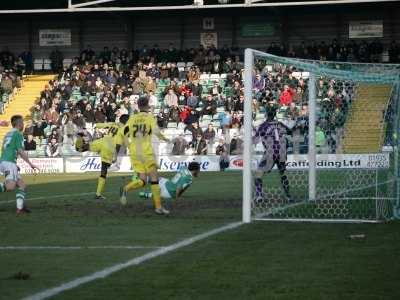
[{"x": 139, "y": 130}]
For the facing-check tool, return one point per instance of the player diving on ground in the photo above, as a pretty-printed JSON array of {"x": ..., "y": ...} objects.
[
  {"x": 272, "y": 135},
  {"x": 174, "y": 188}
]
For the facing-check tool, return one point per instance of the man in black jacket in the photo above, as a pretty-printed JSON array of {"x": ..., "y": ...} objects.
[{"x": 210, "y": 106}]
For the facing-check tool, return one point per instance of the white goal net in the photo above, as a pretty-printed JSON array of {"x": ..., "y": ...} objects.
[{"x": 321, "y": 140}]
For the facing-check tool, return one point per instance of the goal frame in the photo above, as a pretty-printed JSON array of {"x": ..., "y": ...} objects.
[{"x": 249, "y": 56}]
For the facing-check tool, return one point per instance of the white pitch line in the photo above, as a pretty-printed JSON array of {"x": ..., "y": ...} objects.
[
  {"x": 133, "y": 262},
  {"x": 73, "y": 247},
  {"x": 50, "y": 197}
]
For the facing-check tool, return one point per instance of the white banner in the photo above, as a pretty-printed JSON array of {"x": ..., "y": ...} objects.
[
  {"x": 45, "y": 165},
  {"x": 54, "y": 37},
  {"x": 80, "y": 164},
  {"x": 207, "y": 163},
  {"x": 365, "y": 29},
  {"x": 174, "y": 163},
  {"x": 327, "y": 161},
  {"x": 166, "y": 163},
  {"x": 208, "y": 39}
]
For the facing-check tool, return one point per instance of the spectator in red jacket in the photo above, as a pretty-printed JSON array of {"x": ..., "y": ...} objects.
[
  {"x": 286, "y": 96},
  {"x": 185, "y": 112},
  {"x": 184, "y": 89}
]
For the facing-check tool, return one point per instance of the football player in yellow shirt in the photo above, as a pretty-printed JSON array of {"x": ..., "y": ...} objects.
[
  {"x": 139, "y": 129},
  {"x": 108, "y": 147}
]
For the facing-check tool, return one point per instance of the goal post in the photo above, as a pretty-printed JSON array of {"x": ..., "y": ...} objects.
[
  {"x": 342, "y": 140},
  {"x": 247, "y": 139}
]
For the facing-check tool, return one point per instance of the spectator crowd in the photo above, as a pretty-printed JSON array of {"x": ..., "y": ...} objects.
[
  {"x": 12, "y": 70},
  {"x": 203, "y": 113}
]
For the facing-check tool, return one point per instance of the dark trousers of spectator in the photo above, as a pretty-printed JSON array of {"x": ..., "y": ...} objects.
[
  {"x": 209, "y": 112},
  {"x": 174, "y": 115},
  {"x": 223, "y": 164}
]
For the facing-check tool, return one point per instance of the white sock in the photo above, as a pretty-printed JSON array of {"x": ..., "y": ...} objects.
[
  {"x": 20, "y": 203},
  {"x": 20, "y": 198}
]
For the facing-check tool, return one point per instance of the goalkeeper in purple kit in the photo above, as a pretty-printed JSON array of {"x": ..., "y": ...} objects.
[{"x": 272, "y": 135}]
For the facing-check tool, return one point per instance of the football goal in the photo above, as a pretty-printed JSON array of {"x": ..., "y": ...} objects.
[{"x": 321, "y": 140}]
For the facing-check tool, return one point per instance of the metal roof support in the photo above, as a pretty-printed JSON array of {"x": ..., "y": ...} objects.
[{"x": 188, "y": 7}]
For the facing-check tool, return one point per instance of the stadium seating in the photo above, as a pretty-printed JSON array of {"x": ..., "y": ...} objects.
[
  {"x": 38, "y": 64},
  {"x": 363, "y": 130}
]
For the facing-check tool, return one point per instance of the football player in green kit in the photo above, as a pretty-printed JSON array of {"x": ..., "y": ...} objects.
[{"x": 13, "y": 146}]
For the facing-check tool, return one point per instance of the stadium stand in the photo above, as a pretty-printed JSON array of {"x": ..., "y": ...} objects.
[
  {"x": 23, "y": 98},
  {"x": 202, "y": 86},
  {"x": 363, "y": 135}
]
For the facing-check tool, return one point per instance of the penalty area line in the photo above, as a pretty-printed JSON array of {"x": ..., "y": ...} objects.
[{"x": 132, "y": 262}]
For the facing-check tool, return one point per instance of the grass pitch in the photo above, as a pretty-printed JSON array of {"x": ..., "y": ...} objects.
[{"x": 258, "y": 261}]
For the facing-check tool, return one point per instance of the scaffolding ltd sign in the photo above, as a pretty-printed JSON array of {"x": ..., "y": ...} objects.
[
  {"x": 54, "y": 37},
  {"x": 324, "y": 161}
]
